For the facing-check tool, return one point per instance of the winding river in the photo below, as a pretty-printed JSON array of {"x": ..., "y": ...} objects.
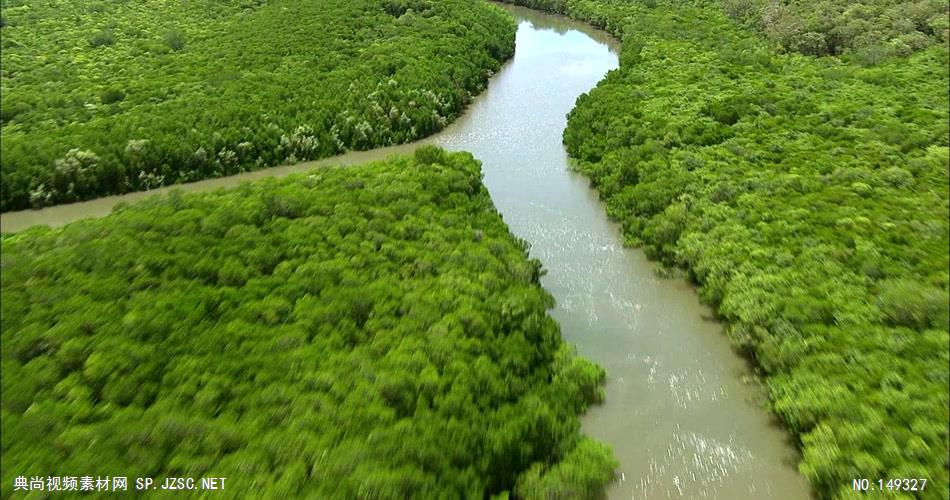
[{"x": 680, "y": 414}]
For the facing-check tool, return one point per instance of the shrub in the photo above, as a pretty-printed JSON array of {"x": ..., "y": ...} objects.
[
  {"x": 175, "y": 39},
  {"x": 110, "y": 96},
  {"x": 103, "y": 37},
  {"x": 914, "y": 305},
  {"x": 9, "y": 110},
  {"x": 429, "y": 154}
]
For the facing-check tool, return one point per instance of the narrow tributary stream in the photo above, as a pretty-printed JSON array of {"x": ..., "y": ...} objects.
[{"x": 679, "y": 414}]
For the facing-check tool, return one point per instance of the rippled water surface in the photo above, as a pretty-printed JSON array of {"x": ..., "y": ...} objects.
[{"x": 678, "y": 414}]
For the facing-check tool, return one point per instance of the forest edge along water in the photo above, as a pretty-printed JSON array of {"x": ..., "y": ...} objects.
[{"x": 680, "y": 414}]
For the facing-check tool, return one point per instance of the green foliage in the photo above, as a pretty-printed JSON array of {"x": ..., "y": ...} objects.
[
  {"x": 218, "y": 87},
  {"x": 581, "y": 474},
  {"x": 429, "y": 154},
  {"x": 363, "y": 332},
  {"x": 110, "y": 96},
  {"x": 102, "y": 37},
  {"x": 866, "y": 32},
  {"x": 869, "y": 30},
  {"x": 808, "y": 197},
  {"x": 914, "y": 305},
  {"x": 175, "y": 39}
]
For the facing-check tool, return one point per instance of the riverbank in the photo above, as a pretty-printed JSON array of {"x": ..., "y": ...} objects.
[
  {"x": 215, "y": 88},
  {"x": 808, "y": 199},
  {"x": 373, "y": 331},
  {"x": 678, "y": 413}
]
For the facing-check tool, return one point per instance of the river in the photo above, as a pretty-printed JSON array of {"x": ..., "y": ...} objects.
[{"x": 680, "y": 414}]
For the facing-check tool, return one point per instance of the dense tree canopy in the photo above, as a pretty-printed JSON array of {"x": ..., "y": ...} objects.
[
  {"x": 865, "y": 31},
  {"x": 105, "y": 97},
  {"x": 364, "y": 332},
  {"x": 809, "y": 199}
]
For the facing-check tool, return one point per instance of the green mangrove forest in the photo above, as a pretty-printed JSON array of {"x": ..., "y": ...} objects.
[
  {"x": 105, "y": 97},
  {"x": 808, "y": 198},
  {"x": 363, "y": 332}
]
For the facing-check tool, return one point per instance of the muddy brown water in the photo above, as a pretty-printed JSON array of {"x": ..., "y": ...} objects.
[{"x": 680, "y": 414}]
